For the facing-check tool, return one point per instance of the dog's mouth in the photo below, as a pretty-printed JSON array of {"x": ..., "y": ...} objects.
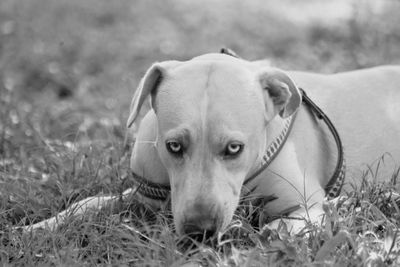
[{"x": 199, "y": 234}]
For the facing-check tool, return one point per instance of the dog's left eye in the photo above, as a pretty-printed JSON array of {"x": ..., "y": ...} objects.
[
  {"x": 233, "y": 149},
  {"x": 174, "y": 147}
]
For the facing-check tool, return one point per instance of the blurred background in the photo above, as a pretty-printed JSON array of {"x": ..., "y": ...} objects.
[
  {"x": 72, "y": 65},
  {"x": 68, "y": 68}
]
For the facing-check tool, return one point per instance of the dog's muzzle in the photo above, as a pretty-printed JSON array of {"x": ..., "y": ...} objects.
[{"x": 202, "y": 220}]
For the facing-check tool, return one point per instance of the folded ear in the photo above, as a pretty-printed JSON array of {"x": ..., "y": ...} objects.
[
  {"x": 148, "y": 86},
  {"x": 281, "y": 95}
]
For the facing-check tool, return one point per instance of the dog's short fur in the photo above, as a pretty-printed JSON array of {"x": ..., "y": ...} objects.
[{"x": 213, "y": 116}]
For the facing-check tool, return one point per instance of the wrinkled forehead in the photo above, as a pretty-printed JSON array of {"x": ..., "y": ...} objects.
[{"x": 215, "y": 93}]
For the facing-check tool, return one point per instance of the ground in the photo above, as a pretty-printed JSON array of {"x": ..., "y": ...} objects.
[{"x": 68, "y": 69}]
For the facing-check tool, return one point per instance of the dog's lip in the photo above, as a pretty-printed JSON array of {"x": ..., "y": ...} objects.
[{"x": 206, "y": 229}]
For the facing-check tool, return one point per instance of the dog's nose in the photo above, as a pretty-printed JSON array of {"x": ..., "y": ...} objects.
[{"x": 201, "y": 222}]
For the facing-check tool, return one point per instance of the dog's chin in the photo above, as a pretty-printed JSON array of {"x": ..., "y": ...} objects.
[
  {"x": 198, "y": 233},
  {"x": 202, "y": 227}
]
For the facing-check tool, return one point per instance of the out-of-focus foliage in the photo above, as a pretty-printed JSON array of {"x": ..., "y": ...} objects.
[{"x": 94, "y": 51}]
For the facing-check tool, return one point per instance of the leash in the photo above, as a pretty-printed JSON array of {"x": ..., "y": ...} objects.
[{"x": 335, "y": 184}]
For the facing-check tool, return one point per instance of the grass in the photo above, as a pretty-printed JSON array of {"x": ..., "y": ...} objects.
[
  {"x": 361, "y": 228},
  {"x": 67, "y": 72}
]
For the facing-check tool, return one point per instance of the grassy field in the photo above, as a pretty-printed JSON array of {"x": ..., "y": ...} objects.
[{"x": 68, "y": 69}]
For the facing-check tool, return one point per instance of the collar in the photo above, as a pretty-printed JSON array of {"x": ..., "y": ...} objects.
[
  {"x": 274, "y": 148},
  {"x": 161, "y": 192},
  {"x": 149, "y": 189}
]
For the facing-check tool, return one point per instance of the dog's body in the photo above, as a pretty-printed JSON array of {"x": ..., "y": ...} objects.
[
  {"x": 362, "y": 104},
  {"x": 214, "y": 116},
  {"x": 365, "y": 107}
]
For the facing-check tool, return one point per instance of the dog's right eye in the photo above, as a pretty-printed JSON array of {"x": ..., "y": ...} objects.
[
  {"x": 174, "y": 147},
  {"x": 233, "y": 149}
]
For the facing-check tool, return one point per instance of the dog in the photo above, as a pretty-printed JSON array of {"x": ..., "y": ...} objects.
[{"x": 213, "y": 119}]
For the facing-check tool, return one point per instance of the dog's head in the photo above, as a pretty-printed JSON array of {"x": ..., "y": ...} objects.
[{"x": 212, "y": 113}]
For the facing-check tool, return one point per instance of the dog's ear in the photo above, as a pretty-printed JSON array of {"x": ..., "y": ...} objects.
[
  {"x": 279, "y": 89},
  {"x": 148, "y": 86}
]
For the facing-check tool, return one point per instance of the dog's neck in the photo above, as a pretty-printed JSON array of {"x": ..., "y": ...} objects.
[{"x": 273, "y": 129}]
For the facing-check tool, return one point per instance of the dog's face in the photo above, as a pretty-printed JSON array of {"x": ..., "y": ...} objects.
[
  {"x": 208, "y": 129},
  {"x": 211, "y": 117}
]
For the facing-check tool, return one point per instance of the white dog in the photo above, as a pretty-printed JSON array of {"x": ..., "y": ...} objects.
[{"x": 221, "y": 127}]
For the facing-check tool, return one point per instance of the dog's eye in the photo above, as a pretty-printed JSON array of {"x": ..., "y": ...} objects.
[
  {"x": 233, "y": 149},
  {"x": 174, "y": 147}
]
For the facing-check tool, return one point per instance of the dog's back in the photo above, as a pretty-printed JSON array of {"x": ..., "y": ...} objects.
[{"x": 365, "y": 107}]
